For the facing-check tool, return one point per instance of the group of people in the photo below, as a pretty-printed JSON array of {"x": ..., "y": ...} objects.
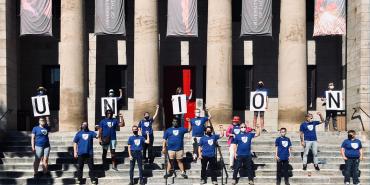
[{"x": 205, "y": 145}]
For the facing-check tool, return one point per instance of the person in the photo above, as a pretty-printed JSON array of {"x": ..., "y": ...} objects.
[
  {"x": 40, "y": 146},
  {"x": 352, "y": 154},
  {"x": 207, "y": 153},
  {"x": 181, "y": 117},
  {"x": 112, "y": 94},
  {"x": 83, "y": 151},
  {"x": 173, "y": 138},
  {"x": 330, "y": 113},
  {"x": 309, "y": 139},
  {"x": 242, "y": 152},
  {"x": 282, "y": 155},
  {"x": 260, "y": 88},
  {"x": 107, "y": 135},
  {"x": 146, "y": 126},
  {"x": 135, "y": 146},
  {"x": 231, "y": 132},
  {"x": 197, "y": 127},
  {"x": 41, "y": 91}
]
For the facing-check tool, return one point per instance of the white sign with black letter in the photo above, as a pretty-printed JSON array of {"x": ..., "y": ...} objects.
[
  {"x": 40, "y": 106},
  {"x": 334, "y": 100},
  {"x": 258, "y": 101},
  {"x": 179, "y": 104},
  {"x": 109, "y": 103}
]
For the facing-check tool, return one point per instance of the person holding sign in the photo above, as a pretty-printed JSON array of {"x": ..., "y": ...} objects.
[
  {"x": 352, "y": 154},
  {"x": 146, "y": 126},
  {"x": 107, "y": 135},
  {"x": 41, "y": 91},
  {"x": 83, "y": 151},
  {"x": 309, "y": 139},
  {"x": 111, "y": 94},
  {"x": 242, "y": 151},
  {"x": 40, "y": 146},
  {"x": 181, "y": 117},
  {"x": 283, "y": 147},
  {"x": 173, "y": 142},
  {"x": 330, "y": 113},
  {"x": 207, "y": 153},
  {"x": 260, "y": 88},
  {"x": 135, "y": 146},
  {"x": 197, "y": 126}
]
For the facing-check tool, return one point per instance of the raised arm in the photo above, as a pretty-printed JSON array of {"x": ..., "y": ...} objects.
[
  {"x": 156, "y": 112},
  {"x": 321, "y": 117},
  {"x": 191, "y": 94},
  {"x": 120, "y": 93}
]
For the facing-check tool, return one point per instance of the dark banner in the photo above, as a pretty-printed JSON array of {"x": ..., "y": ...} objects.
[
  {"x": 36, "y": 17},
  {"x": 256, "y": 17},
  {"x": 110, "y": 17},
  {"x": 182, "y": 19}
]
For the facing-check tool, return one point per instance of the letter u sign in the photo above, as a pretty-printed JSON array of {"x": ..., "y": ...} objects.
[
  {"x": 258, "y": 101},
  {"x": 40, "y": 105}
]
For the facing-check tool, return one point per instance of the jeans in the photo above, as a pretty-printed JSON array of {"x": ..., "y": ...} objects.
[
  {"x": 149, "y": 148},
  {"x": 331, "y": 114},
  {"x": 90, "y": 162},
  {"x": 243, "y": 161},
  {"x": 136, "y": 156},
  {"x": 282, "y": 170},
  {"x": 212, "y": 162},
  {"x": 351, "y": 169},
  {"x": 310, "y": 145}
]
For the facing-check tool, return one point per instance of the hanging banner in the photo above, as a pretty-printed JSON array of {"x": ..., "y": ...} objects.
[
  {"x": 256, "y": 17},
  {"x": 182, "y": 19},
  {"x": 179, "y": 104},
  {"x": 40, "y": 105},
  {"x": 258, "y": 101},
  {"x": 36, "y": 17},
  {"x": 330, "y": 17},
  {"x": 334, "y": 100},
  {"x": 110, "y": 17},
  {"x": 109, "y": 103}
]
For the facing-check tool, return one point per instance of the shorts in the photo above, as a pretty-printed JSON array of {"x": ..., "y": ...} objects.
[
  {"x": 112, "y": 145},
  {"x": 262, "y": 113},
  {"x": 41, "y": 152},
  {"x": 176, "y": 154}
]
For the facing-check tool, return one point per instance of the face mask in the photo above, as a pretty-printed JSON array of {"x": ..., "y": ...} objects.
[
  {"x": 209, "y": 133},
  {"x": 260, "y": 85},
  {"x": 111, "y": 95},
  {"x": 331, "y": 87},
  {"x": 197, "y": 114},
  {"x": 350, "y": 136},
  {"x": 146, "y": 117},
  {"x": 242, "y": 129},
  {"x": 42, "y": 123},
  {"x": 135, "y": 132},
  {"x": 41, "y": 92},
  {"x": 175, "y": 124},
  {"x": 84, "y": 127}
]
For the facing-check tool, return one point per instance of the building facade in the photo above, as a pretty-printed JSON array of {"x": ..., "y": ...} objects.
[{"x": 78, "y": 67}]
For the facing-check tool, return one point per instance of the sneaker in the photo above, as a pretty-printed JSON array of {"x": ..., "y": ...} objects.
[
  {"x": 305, "y": 167},
  {"x": 115, "y": 168},
  {"x": 203, "y": 181},
  {"x": 251, "y": 182},
  {"x": 231, "y": 167},
  {"x": 287, "y": 182},
  {"x": 233, "y": 182},
  {"x": 264, "y": 131},
  {"x": 346, "y": 183},
  {"x": 214, "y": 183},
  {"x": 169, "y": 174},
  {"x": 79, "y": 181},
  {"x": 131, "y": 183},
  {"x": 183, "y": 175},
  {"x": 317, "y": 167},
  {"x": 94, "y": 181}
]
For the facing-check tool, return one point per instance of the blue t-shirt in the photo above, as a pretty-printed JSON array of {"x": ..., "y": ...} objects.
[
  {"x": 262, "y": 90},
  {"x": 283, "y": 144},
  {"x": 109, "y": 127},
  {"x": 41, "y": 136},
  {"x": 175, "y": 138},
  {"x": 85, "y": 142},
  {"x": 208, "y": 144},
  {"x": 136, "y": 142},
  {"x": 146, "y": 126},
  {"x": 198, "y": 125},
  {"x": 352, "y": 148},
  {"x": 309, "y": 130},
  {"x": 244, "y": 142}
]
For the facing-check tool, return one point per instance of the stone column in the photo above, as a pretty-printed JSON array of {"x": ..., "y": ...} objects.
[
  {"x": 219, "y": 63},
  {"x": 71, "y": 59},
  {"x": 292, "y": 70},
  {"x": 145, "y": 59}
]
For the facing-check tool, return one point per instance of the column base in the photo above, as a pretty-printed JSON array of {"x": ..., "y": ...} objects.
[
  {"x": 220, "y": 116},
  {"x": 291, "y": 119}
]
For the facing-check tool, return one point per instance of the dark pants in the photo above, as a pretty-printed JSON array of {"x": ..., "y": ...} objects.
[
  {"x": 90, "y": 162},
  {"x": 212, "y": 162},
  {"x": 243, "y": 161},
  {"x": 331, "y": 114},
  {"x": 136, "y": 156},
  {"x": 282, "y": 170},
  {"x": 149, "y": 148},
  {"x": 351, "y": 170}
]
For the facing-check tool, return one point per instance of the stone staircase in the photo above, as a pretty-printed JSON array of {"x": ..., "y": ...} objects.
[{"x": 16, "y": 161}]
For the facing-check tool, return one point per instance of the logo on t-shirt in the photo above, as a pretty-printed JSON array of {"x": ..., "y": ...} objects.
[
  {"x": 310, "y": 127},
  {"x": 146, "y": 124},
  {"x": 236, "y": 131},
  {"x": 45, "y": 132},
  {"x": 175, "y": 132},
  {"x": 110, "y": 124},
  {"x": 85, "y": 136},
  {"x": 198, "y": 122},
  {"x": 137, "y": 142},
  {"x": 354, "y": 145},
  {"x": 284, "y": 143},
  {"x": 210, "y": 142},
  {"x": 245, "y": 139}
]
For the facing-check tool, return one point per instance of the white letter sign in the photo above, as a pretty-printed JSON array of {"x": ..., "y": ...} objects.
[
  {"x": 334, "y": 100},
  {"x": 179, "y": 104},
  {"x": 109, "y": 103},
  {"x": 258, "y": 101},
  {"x": 40, "y": 106}
]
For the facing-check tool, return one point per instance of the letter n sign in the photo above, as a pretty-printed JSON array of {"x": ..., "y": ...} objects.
[
  {"x": 334, "y": 100},
  {"x": 258, "y": 101},
  {"x": 179, "y": 105},
  {"x": 108, "y": 103},
  {"x": 40, "y": 105}
]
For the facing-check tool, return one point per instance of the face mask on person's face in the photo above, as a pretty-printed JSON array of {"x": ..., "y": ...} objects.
[
  {"x": 209, "y": 132},
  {"x": 331, "y": 87},
  {"x": 146, "y": 117},
  {"x": 111, "y": 94},
  {"x": 260, "y": 85},
  {"x": 242, "y": 129},
  {"x": 42, "y": 122},
  {"x": 40, "y": 92},
  {"x": 350, "y": 136},
  {"x": 197, "y": 114},
  {"x": 135, "y": 132},
  {"x": 175, "y": 124},
  {"x": 84, "y": 127}
]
